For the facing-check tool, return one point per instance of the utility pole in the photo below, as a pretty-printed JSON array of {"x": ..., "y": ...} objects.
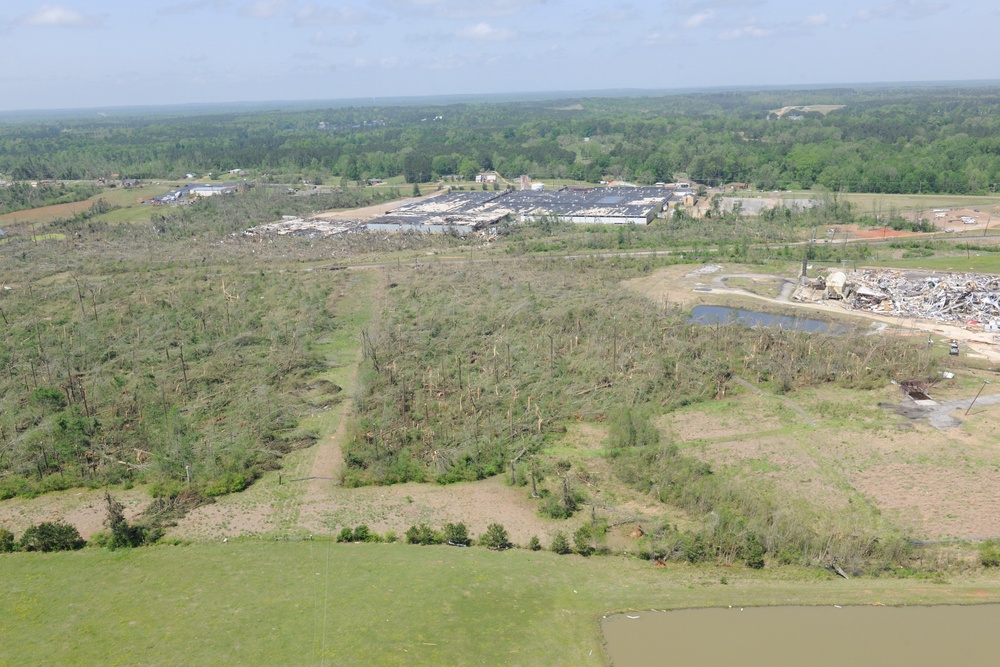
[{"x": 985, "y": 382}]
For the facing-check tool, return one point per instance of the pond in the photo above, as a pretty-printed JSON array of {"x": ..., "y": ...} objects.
[
  {"x": 751, "y": 318},
  {"x": 816, "y": 636}
]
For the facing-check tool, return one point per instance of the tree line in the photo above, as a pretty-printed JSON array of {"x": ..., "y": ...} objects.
[{"x": 896, "y": 140}]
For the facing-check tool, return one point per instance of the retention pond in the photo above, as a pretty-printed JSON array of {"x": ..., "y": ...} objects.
[
  {"x": 816, "y": 636},
  {"x": 751, "y": 318}
]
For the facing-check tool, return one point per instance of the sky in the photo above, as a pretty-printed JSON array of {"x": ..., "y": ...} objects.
[{"x": 70, "y": 54}]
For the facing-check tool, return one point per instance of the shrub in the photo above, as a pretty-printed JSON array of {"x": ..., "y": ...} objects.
[
  {"x": 7, "y": 542},
  {"x": 363, "y": 534},
  {"x": 47, "y": 397},
  {"x": 423, "y": 535},
  {"x": 989, "y": 553},
  {"x": 495, "y": 538},
  {"x": 534, "y": 544},
  {"x": 582, "y": 540},
  {"x": 695, "y": 550},
  {"x": 456, "y": 534},
  {"x": 124, "y": 534},
  {"x": 753, "y": 551},
  {"x": 101, "y": 539},
  {"x": 52, "y": 536},
  {"x": 560, "y": 544},
  {"x": 360, "y": 533},
  {"x": 630, "y": 429},
  {"x": 231, "y": 482}
]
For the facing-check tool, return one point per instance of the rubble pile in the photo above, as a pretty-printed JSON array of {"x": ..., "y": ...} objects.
[
  {"x": 309, "y": 227},
  {"x": 961, "y": 297}
]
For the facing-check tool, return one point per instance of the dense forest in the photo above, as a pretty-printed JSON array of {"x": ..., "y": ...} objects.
[{"x": 902, "y": 140}]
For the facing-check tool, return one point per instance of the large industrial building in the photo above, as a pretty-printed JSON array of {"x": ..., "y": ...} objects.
[{"x": 470, "y": 211}]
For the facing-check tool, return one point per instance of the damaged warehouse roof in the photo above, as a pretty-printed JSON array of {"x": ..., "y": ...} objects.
[{"x": 467, "y": 211}]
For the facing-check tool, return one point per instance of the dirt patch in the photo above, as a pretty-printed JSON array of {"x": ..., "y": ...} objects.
[
  {"x": 83, "y": 508},
  {"x": 858, "y": 232},
  {"x": 701, "y": 426},
  {"x": 942, "y": 502}
]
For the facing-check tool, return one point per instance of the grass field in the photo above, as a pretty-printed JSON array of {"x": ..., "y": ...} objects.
[
  {"x": 984, "y": 263},
  {"x": 315, "y": 603},
  {"x": 884, "y": 203}
]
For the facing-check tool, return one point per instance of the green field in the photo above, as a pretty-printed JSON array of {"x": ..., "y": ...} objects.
[
  {"x": 982, "y": 263},
  {"x": 317, "y": 603},
  {"x": 884, "y": 203}
]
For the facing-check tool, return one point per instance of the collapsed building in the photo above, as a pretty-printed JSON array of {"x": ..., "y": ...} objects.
[
  {"x": 471, "y": 212},
  {"x": 952, "y": 297},
  {"x": 475, "y": 211}
]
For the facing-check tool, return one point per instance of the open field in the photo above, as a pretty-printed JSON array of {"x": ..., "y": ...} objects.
[
  {"x": 866, "y": 203},
  {"x": 128, "y": 199},
  {"x": 313, "y": 602}
]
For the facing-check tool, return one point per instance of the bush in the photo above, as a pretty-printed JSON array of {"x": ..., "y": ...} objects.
[
  {"x": 100, "y": 540},
  {"x": 52, "y": 536},
  {"x": 363, "y": 534},
  {"x": 753, "y": 551},
  {"x": 124, "y": 534},
  {"x": 630, "y": 429},
  {"x": 7, "y": 542},
  {"x": 534, "y": 544},
  {"x": 231, "y": 482},
  {"x": 47, "y": 397},
  {"x": 495, "y": 538},
  {"x": 423, "y": 535},
  {"x": 360, "y": 534},
  {"x": 582, "y": 540},
  {"x": 560, "y": 544},
  {"x": 456, "y": 534},
  {"x": 989, "y": 553}
]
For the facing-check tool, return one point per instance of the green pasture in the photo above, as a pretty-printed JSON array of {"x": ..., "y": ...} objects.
[{"x": 316, "y": 603}]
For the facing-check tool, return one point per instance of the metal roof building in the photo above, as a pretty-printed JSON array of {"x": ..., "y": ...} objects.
[{"x": 467, "y": 211}]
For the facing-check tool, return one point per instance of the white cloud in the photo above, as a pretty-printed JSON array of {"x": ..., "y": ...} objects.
[
  {"x": 484, "y": 32},
  {"x": 264, "y": 9},
  {"x": 463, "y": 9},
  {"x": 901, "y": 9},
  {"x": 352, "y": 38},
  {"x": 699, "y": 18},
  {"x": 312, "y": 14},
  {"x": 753, "y": 31},
  {"x": 192, "y": 6},
  {"x": 816, "y": 20},
  {"x": 55, "y": 15}
]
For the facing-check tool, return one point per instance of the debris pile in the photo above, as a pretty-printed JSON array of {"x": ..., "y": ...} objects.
[
  {"x": 958, "y": 297},
  {"x": 309, "y": 227}
]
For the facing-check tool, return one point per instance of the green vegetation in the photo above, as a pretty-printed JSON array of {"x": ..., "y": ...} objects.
[
  {"x": 989, "y": 553},
  {"x": 51, "y": 536},
  {"x": 22, "y": 196},
  {"x": 903, "y": 140},
  {"x": 136, "y": 354},
  {"x": 265, "y": 602}
]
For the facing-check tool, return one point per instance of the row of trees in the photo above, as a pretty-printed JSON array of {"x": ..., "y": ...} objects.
[{"x": 895, "y": 140}]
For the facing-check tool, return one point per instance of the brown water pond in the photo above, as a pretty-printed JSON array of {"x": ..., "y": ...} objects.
[{"x": 815, "y": 636}]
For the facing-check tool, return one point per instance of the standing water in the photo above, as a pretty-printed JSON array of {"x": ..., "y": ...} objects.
[
  {"x": 817, "y": 636},
  {"x": 751, "y": 318}
]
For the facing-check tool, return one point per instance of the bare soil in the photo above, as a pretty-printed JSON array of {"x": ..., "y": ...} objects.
[{"x": 83, "y": 508}]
